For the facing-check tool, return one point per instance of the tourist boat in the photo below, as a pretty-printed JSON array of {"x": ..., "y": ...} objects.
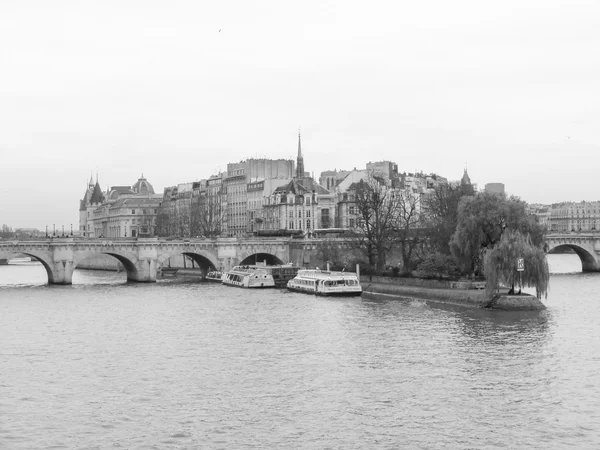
[
  {"x": 281, "y": 273},
  {"x": 214, "y": 275},
  {"x": 325, "y": 282},
  {"x": 168, "y": 271},
  {"x": 249, "y": 276}
]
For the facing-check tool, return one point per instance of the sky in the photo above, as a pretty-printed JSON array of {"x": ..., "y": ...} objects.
[{"x": 175, "y": 90}]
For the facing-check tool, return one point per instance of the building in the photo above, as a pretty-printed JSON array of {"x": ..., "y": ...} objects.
[
  {"x": 384, "y": 169},
  {"x": 330, "y": 178},
  {"x": 494, "y": 188},
  {"x": 574, "y": 217},
  {"x": 121, "y": 211},
  {"x": 299, "y": 205},
  {"x": 92, "y": 198}
]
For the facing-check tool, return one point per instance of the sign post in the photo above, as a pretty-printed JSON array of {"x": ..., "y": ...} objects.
[{"x": 520, "y": 269}]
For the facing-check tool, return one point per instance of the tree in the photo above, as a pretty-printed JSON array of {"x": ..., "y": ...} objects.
[
  {"x": 481, "y": 221},
  {"x": 7, "y": 232},
  {"x": 500, "y": 264},
  {"x": 206, "y": 216},
  {"x": 408, "y": 232},
  {"x": 387, "y": 217},
  {"x": 162, "y": 223},
  {"x": 377, "y": 213},
  {"x": 440, "y": 210}
]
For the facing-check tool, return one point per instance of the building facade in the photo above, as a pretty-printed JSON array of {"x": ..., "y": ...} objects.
[
  {"x": 122, "y": 211},
  {"x": 574, "y": 217}
]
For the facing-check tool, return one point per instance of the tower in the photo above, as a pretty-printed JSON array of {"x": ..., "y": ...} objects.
[
  {"x": 465, "y": 180},
  {"x": 300, "y": 160}
]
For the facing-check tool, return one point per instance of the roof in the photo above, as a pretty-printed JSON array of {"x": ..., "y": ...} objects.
[
  {"x": 142, "y": 186},
  {"x": 97, "y": 195},
  {"x": 135, "y": 202},
  {"x": 302, "y": 186},
  {"x": 465, "y": 178}
]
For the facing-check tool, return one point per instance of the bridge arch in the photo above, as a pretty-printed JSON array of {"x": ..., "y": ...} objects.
[
  {"x": 589, "y": 263},
  {"x": 43, "y": 259},
  {"x": 205, "y": 260},
  {"x": 128, "y": 260},
  {"x": 261, "y": 257}
]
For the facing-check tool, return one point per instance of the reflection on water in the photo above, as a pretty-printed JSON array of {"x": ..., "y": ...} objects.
[{"x": 186, "y": 364}]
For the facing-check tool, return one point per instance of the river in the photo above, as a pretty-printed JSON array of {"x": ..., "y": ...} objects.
[{"x": 183, "y": 365}]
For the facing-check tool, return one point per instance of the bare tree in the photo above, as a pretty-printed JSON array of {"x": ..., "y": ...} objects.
[
  {"x": 206, "y": 216},
  {"x": 377, "y": 215},
  {"x": 407, "y": 226}
]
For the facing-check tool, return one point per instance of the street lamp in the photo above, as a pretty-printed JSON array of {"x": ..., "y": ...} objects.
[
  {"x": 63, "y": 231},
  {"x": 71, "y": 230},
  {"x": 54, "y": 229},
  {"x": 46, "y": 230}
]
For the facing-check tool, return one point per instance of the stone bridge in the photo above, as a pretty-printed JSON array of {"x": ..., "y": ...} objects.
[
  {"x": 143, "y": 257},
  {"x": 586, "y": 245}
]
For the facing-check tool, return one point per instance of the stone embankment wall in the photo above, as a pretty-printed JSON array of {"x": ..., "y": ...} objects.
[
  {"x": 462, "y": 293},
  {"x": 435, "y": 284},
  {"x": 463, "y": 297}
]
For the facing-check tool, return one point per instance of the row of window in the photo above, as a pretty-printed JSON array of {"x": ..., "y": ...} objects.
[
  {"x": 300, "y": 227},
  {"x": 299, "y": 214}
]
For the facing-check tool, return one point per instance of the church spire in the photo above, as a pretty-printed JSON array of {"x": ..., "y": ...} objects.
[
  {"x": 465, "y": 178},
  {"x": 299, "y": 160}
]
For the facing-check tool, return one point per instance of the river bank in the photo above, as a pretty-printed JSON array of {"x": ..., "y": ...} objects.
[{"x": 461, "y": 293}]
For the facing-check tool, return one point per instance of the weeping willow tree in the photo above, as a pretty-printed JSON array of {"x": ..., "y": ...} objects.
[{"x": 500, "y": 264}]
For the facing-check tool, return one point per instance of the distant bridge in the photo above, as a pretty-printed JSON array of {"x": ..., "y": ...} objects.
[
  {"x": 586, "y": 245},
  {"x": 143, "y": 257}
]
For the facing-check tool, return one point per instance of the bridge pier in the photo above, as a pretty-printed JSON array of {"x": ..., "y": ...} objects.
[
  {"x": 145, "y": 271},
  {"x": 61, "y": 272}
]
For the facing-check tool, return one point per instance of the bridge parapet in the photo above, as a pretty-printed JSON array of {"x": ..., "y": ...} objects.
[{"x": 141, "y": 257}]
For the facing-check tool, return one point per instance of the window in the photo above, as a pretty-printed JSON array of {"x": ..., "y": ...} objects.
[
  {"x": 144, "y": 211},
  {"x": 308, "y": 224},
  {"x": 325, "y": 218},
  {"x": 351, "y": 210},
  {"x": 291, "y": 225},
  {"x": 299, "y": 213},
  {"x": 133, "y": 211},
  {"x": 351, "y": 223},
  {"x": 307, "y": 201},
  {"x": 291, "y": 214},
  {"x": 307, "y": 213}
]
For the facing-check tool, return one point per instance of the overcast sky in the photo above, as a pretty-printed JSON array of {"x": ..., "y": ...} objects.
[{"x": 178, "y": 89}]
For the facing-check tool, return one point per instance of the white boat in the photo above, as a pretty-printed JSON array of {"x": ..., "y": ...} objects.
[
  {"x": 214, "y": 275},
  {"x": 249, "y": 276},
  {"x": 324, "y": 282},
  {"x": 281, "y": 273}
]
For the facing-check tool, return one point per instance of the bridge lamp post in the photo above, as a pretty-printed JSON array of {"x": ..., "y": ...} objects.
[
  {"x": 46, "y": 230},
  {"x": 54, "y": 229},
  {"x": 71, "y": 230},
  {"x": 63, "y": 231}
]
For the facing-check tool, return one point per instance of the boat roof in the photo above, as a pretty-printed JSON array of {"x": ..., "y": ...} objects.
[{"x": 314, "y": 273}]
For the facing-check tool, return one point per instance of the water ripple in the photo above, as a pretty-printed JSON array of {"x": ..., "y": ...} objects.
[{"x": 188, "y": 365}]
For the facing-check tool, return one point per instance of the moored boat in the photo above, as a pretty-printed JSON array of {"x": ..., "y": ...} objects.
[
  {"x": 248, "y": 276},
  {"x": 324, "y": 282},
  {"x": 214, "y": 275},
  {"x": 281, "y": 273}
]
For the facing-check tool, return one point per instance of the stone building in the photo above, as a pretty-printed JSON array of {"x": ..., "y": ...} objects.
[
  {"x": 299, "y": 205},
  {"x": 494, "y": 188},
  {"x": 574, "y": 217},
  {"x": 92, "y": 199},
  {"x": 121, "y": 211}
]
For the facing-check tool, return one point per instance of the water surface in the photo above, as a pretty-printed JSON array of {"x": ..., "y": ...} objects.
[{"x": 181, "y": 364}]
